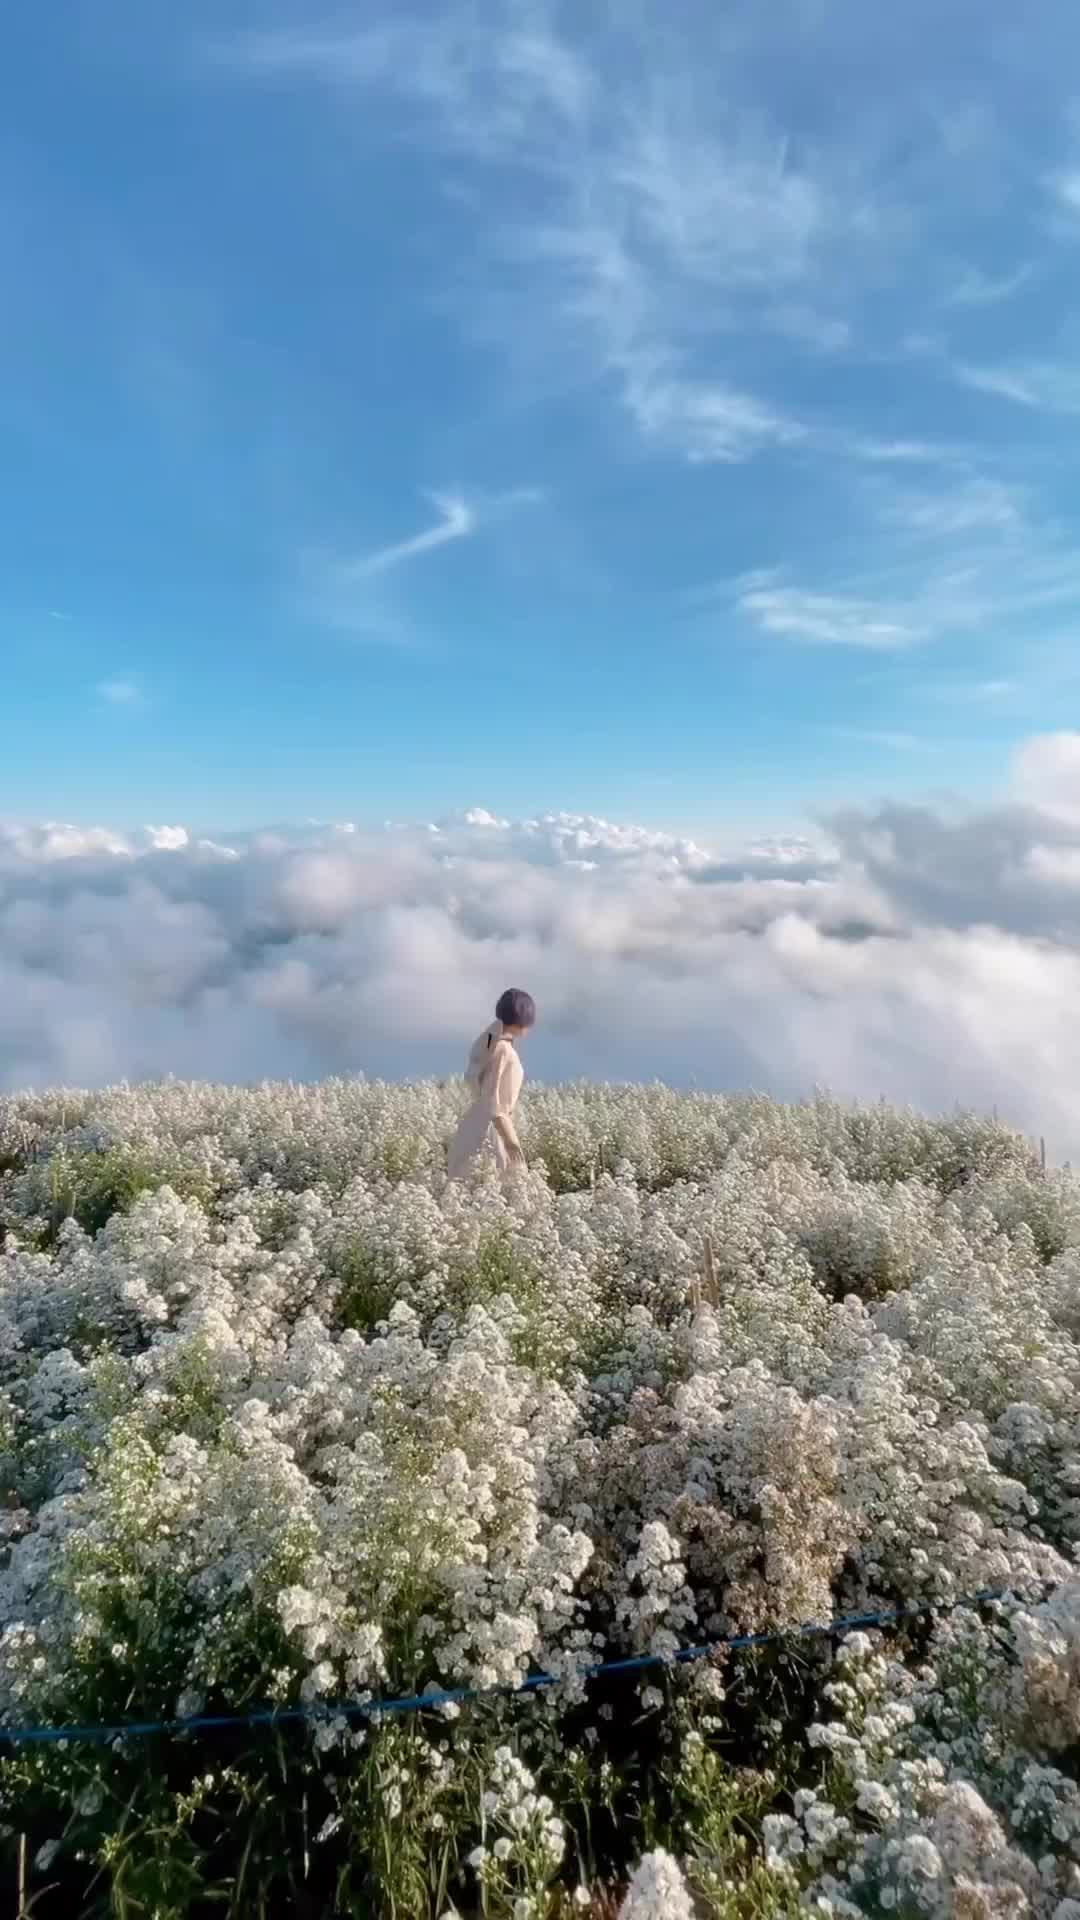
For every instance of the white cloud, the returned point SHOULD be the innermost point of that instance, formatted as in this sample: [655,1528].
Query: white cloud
[974,288]
[493,85]
[1068,188]
[829,619]
[898,452]
[653,216]
[650,219]
[892,741]
[1065,188]
[999,381]
[119,693]
[168,838]
[349,592]
[987,692]
[457,520]
[53,840]
[702,422]
[966,554]
[965,505]
[1046,774]
[1043,385]
[823,332]
[913,954]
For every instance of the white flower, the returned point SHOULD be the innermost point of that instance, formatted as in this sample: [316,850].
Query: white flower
[782,1838]
[875,1799]
[657,1891]
[917,1857]
[855,1646]
[334,1384]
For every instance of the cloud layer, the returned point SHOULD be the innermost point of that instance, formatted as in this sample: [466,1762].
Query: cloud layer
[914,954]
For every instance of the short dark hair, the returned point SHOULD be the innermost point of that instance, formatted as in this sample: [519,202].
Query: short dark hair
[516,1008]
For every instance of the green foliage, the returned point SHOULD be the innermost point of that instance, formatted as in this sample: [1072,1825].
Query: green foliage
[90,1185]
[717,1812]
[368,1286]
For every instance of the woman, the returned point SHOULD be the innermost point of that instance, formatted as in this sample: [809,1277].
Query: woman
[495,1074]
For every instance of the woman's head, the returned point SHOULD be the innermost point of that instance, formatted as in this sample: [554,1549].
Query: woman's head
[516,1009]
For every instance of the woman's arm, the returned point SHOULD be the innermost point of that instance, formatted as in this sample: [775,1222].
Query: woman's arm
[498,1107]
[505,1128]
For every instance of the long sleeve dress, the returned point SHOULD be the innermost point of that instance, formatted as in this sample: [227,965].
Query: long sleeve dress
[496,1075]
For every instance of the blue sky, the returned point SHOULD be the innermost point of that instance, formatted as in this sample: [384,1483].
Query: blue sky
[667,412]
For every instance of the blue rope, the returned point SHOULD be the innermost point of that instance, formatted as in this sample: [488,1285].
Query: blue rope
[458,1696]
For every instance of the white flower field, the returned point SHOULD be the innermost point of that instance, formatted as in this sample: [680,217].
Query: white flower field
[288,1420]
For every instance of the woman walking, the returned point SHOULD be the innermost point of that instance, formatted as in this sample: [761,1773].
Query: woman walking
[495,1074]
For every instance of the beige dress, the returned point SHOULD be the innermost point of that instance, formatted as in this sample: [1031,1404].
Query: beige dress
[495,1074]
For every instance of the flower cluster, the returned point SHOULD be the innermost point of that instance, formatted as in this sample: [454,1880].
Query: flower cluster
[286,1416]
[939,1790]
[523,1840]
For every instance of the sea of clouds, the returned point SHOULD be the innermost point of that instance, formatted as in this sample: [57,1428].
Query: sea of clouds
[920,954]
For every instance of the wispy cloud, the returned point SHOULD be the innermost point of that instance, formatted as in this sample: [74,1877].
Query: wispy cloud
[703,421]
[990,693]
[350,591]
[457,520]
[1002,382]
[119,693]
[1067,187]
[1044,385]
[492,88]
[974,288]
[968,555]
[885,453]
[1064,189]
[889,741]
[967,505]
[662,224]
[829,619]
[805,325]
[678,249]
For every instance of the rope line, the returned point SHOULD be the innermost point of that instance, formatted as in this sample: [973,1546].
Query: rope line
[459,1696]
